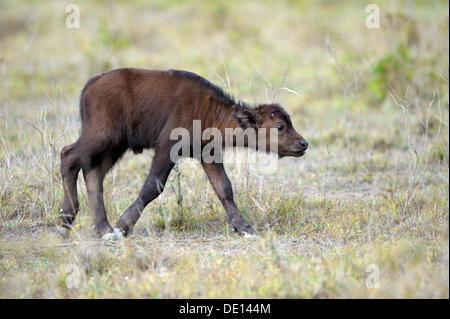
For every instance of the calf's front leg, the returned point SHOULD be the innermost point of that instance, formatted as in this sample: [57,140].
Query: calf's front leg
[222,186]
[153,187]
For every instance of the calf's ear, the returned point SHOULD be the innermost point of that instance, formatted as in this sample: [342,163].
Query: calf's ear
[245,118]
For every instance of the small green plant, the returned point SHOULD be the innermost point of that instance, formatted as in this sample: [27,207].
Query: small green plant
[395,68]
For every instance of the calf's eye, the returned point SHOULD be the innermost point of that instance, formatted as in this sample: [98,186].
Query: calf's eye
[280,127]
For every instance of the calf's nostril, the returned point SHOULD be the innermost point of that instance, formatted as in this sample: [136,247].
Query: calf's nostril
[304,143]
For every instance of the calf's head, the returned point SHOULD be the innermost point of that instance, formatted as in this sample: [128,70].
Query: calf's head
[268,116]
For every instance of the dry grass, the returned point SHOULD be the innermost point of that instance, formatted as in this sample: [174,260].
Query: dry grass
[372,190]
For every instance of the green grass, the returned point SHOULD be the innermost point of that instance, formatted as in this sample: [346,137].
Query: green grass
[372,189]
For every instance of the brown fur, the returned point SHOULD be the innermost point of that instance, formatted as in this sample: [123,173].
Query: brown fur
[137,109]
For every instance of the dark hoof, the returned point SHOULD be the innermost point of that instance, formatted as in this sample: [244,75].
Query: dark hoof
[123,228]
[244,229]
[247,231]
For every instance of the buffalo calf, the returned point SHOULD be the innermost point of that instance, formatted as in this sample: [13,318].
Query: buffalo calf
[138,109]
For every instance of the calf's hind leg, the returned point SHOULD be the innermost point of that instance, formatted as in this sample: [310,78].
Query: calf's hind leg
[94,177]
[70,166]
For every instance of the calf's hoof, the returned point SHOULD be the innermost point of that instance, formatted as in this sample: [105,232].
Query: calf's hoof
[123,228]
[245,230]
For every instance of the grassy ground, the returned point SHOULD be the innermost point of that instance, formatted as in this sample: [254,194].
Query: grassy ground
[364,214]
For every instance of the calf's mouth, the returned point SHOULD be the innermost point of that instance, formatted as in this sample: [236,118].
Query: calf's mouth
[297,153]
